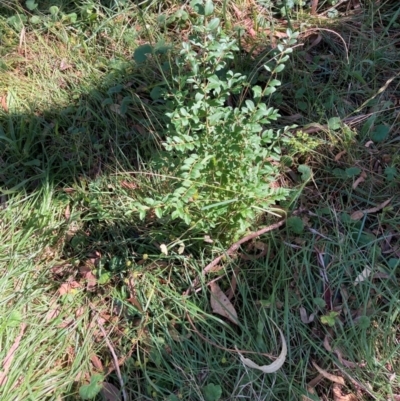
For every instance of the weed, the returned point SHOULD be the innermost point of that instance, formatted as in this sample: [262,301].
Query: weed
[222,160]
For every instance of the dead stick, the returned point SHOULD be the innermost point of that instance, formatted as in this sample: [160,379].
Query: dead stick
[232,250]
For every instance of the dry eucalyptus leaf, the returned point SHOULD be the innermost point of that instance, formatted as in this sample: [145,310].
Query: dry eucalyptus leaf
[221,304]
[304,317]
[329,376]
[208,239]
[96,362]
[274,366]
[338,396]
[363,275]
[116,108]
[164,249]
[181,248]
[359,180]
[360,213]
[339,155]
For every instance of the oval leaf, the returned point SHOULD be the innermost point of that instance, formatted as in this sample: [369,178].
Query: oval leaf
[221,304]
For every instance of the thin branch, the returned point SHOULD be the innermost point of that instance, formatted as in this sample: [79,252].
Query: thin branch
[232,250]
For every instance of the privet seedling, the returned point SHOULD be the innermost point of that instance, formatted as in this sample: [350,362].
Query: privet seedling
[222,157]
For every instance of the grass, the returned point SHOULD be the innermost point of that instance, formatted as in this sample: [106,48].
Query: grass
[76,261]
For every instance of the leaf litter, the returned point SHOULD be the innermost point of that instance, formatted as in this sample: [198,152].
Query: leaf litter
[221,304]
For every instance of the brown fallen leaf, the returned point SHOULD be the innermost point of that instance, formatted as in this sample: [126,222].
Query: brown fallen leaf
[110,392]
[64,65]
[338,396]
[314,5]
[68,287]
[3,103]
[52,313]
[10,355]
[96,361]
[221,305]
[359,180]
[67,213]
[134,301]
[128,185]
[329,376]
[339,155]
[91,280]
[359,214]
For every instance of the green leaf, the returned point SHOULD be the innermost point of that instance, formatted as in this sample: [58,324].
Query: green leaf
[208,8]
[105,278]
[90,391]
[212,392]
[390,173]
[279,68]
[332,13]
[380,133]
[329,319]
[157,92]
[197,6]
[257,92]
[295,224]
[305,171]
[14,319]
[213,24]
[393,263]
[54,10]
[73,17]
[141,52]
[35,20]
[334,123]
[353,172]
[340,173]
[31,5]
[364,322]
[319,302]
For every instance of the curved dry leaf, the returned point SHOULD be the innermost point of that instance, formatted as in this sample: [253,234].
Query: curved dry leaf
[339,155]
[329,376]
[304,317]
[359,214]
[221,304]
[274,366]
[359,180]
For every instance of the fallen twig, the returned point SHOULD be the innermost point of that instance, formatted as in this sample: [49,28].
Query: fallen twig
[232,250]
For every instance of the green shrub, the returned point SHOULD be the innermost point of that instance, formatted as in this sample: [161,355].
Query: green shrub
[219,159]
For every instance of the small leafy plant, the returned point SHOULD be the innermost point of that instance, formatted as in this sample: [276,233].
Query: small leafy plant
[220,162]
